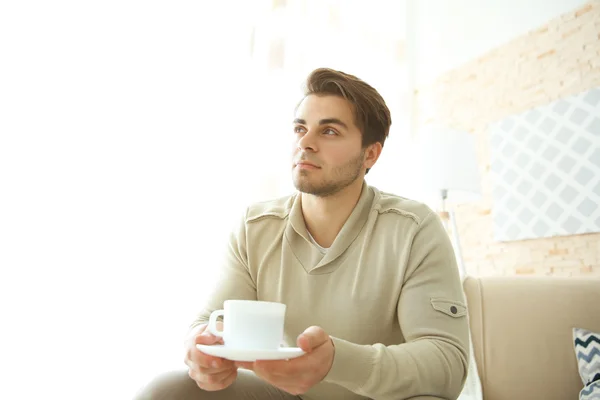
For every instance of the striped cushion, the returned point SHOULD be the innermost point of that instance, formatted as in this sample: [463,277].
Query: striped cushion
[587,350]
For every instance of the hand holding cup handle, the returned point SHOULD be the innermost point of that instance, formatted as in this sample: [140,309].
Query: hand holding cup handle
[209,372]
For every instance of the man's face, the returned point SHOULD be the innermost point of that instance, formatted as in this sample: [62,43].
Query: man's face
[328,154]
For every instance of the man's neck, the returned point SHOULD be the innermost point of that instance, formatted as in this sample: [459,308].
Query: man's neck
[325,216]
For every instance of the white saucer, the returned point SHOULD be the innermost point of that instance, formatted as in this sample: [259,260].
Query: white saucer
[232,354]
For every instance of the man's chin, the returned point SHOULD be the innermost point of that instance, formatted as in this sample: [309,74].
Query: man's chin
[315,190]
[305,187]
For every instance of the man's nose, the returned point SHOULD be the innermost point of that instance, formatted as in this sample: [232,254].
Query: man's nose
[308,141]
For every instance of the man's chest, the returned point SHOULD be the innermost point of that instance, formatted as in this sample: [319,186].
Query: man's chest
[353,297]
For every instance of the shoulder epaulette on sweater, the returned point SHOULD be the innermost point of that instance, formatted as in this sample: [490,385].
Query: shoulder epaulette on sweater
[276,208]
[413,209]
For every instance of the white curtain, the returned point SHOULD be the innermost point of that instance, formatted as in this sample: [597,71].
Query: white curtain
[132,134]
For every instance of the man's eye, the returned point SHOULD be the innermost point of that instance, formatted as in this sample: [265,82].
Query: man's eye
[330,131]
[298,129]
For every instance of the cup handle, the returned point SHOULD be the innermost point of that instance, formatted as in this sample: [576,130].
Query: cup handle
[212,322]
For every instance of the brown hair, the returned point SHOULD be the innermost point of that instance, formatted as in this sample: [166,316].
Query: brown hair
[371,114]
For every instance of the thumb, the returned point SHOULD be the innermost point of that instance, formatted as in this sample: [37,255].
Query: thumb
[207,338]
[312,338]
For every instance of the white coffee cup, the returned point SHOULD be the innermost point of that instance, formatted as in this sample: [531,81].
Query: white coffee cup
[249,324]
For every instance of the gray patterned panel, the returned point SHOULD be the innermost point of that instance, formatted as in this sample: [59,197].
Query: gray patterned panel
[545,166]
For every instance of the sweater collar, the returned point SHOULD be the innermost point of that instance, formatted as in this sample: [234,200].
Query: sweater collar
[310,258]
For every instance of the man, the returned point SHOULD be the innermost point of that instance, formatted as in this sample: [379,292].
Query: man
[370,279]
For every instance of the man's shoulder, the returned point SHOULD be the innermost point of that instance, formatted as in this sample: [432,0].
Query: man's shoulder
[403,207]
[276,209]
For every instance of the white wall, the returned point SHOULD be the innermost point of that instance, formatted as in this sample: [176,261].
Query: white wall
[449,33]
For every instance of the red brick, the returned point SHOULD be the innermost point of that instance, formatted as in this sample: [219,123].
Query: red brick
[524,271]
[571,32]
[586,270]
[555,252]
[585,9]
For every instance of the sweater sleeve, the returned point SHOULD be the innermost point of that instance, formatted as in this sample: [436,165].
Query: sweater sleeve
[433,360]
[234,279]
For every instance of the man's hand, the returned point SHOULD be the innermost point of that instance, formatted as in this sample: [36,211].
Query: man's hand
[298,375]
[210,373]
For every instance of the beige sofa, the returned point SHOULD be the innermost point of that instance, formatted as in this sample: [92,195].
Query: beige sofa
[521,329]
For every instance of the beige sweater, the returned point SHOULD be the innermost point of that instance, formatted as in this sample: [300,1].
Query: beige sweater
[387,291]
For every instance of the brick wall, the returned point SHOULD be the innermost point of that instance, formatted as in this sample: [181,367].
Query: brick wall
[558,59]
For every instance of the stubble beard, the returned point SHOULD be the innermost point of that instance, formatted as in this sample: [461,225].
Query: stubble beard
[341,177]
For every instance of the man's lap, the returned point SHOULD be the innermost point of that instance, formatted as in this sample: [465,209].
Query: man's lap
[177,385]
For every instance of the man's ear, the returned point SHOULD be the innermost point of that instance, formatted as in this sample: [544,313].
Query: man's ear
[372,153]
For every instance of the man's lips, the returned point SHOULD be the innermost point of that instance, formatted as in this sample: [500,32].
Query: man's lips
[307,165]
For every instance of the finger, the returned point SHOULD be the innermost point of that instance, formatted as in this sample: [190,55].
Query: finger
[245,365]
[225,382]
[187,358]
[231,378]
[194,374]
[204,360]
[213,371]
[282,368]
[190,363]
[214,378]
[311,338]
[206,338]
